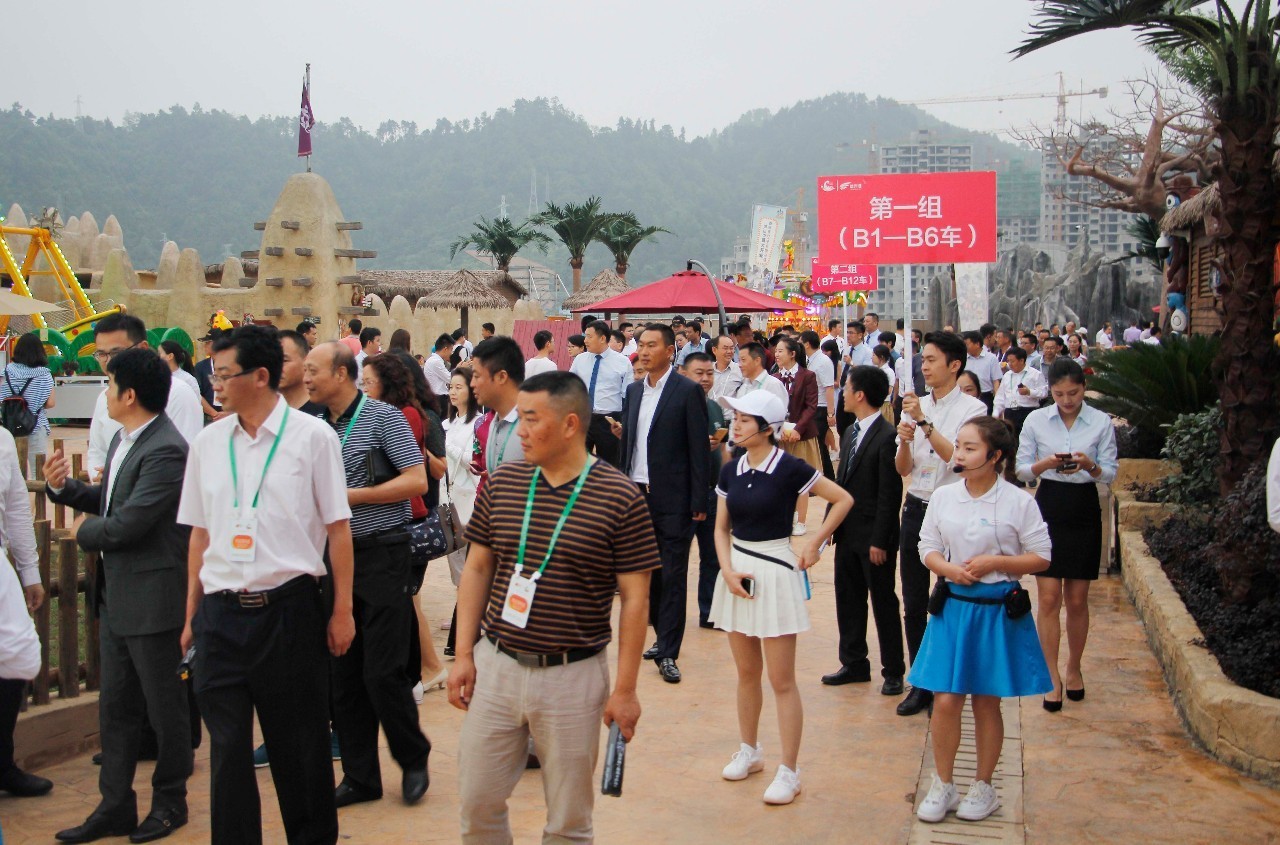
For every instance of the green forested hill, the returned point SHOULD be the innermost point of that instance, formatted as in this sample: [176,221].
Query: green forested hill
[201,178]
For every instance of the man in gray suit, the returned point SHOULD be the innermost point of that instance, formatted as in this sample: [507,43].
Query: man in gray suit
[139,596]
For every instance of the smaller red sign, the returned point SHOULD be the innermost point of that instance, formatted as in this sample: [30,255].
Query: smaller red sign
[833,278]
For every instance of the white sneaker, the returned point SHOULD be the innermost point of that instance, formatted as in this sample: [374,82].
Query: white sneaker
[981,802]
[417,693]
[799,529]
[942,799]
[745,761]
[785,787]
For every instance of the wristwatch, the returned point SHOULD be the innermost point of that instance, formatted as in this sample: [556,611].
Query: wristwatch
[928,426]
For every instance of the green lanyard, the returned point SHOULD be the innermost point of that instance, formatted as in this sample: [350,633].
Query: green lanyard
[354,417]
[235,482]
[564,516]
[503,453]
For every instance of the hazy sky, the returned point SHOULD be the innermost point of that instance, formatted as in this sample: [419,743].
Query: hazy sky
[697,64]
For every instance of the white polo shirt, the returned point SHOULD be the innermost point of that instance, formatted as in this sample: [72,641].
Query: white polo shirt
[304,490]
[928,470]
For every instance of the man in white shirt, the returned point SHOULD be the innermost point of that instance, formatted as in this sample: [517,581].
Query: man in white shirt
[982,364]
[833,333]
[872,323]
[460,339]
[1154,337]
[20,595]
[629,332]
[1103,339]
[728,375]
[1132,334]
[545,342]
[1021,391]
[926,439]
[370,345]
[438,372]
[111,335]
[1028,344]
[606,374]
[260,526]
[754,377]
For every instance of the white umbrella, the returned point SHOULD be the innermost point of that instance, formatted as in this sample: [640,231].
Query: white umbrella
[12,304]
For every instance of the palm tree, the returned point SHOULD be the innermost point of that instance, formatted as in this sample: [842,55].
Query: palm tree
[576,225]
[500,238]
[1234,63]
[623,235]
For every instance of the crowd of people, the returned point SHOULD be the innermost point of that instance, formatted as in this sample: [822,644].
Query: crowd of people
[265,511]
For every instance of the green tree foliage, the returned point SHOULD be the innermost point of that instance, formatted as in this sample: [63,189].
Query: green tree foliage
[500,238]
[1193,443]
[577,225]
[1149,386]
[622,235]
[202,178]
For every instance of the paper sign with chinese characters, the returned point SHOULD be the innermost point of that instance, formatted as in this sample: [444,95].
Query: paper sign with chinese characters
[833,278]
[908,218]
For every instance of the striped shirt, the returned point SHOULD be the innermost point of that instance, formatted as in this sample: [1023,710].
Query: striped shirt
[608,532]
[380,426]
[38,384]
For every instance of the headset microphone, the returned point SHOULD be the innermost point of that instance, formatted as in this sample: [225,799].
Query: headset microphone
[959,469]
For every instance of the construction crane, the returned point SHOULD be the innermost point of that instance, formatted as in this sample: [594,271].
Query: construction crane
[1061,95]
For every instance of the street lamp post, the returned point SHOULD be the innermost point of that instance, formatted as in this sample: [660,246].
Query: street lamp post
[724,318]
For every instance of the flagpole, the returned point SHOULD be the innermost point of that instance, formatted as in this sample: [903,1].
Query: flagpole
[308,104]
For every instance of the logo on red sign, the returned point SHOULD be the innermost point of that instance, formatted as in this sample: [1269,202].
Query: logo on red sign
[908,218]
[833,278]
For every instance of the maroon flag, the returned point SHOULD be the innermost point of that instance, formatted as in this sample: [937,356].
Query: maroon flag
[305,119]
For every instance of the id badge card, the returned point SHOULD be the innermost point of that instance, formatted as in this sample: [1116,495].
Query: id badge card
[519,601]
[929,475]
[244,540]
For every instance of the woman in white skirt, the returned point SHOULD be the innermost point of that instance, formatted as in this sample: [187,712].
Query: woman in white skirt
[761,590]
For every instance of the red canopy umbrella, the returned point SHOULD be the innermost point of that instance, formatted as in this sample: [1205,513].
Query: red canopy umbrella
[686,291]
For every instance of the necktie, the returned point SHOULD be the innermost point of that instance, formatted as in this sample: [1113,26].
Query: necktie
[595,374]
[787,379]
[853,448]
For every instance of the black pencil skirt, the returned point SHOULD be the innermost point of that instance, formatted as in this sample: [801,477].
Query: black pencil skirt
[1074,517]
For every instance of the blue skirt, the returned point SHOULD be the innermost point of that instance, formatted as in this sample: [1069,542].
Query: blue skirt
[976,649]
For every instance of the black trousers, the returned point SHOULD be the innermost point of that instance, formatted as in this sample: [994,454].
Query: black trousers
[915,575]
[1018,417]
[708,560]
[270,659]
[11,693]
[668,587]
[823,427]
[140,685]
[856,577]
[988,398]
[371,683]
[600,439]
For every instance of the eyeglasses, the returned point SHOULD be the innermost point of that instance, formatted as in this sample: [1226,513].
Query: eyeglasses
[214,378]
[107,356]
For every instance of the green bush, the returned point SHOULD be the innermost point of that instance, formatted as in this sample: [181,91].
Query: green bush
[1193,441]
[1151,386]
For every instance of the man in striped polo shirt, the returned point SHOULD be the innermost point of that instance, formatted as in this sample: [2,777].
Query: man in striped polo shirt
[371,684]
[551,541]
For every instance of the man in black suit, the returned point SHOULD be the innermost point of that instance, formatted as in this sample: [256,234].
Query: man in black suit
[130,518]
[664,450]
[867,539]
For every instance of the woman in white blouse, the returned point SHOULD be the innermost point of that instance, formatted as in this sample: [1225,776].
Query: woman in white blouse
[979,537]
[1071,448]
[459,452]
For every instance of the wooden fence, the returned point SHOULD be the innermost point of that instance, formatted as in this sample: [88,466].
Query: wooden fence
[65,571]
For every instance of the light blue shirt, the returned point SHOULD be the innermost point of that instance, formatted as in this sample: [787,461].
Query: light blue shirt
[860,355]
[688,349]
[986,368]
[613,377]
[1044,434]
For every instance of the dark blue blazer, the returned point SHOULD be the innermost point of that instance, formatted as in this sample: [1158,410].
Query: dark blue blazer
[677,443]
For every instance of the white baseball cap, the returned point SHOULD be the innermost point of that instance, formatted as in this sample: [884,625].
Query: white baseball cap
[760,403]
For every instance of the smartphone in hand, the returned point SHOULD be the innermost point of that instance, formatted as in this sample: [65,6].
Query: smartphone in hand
[749,585]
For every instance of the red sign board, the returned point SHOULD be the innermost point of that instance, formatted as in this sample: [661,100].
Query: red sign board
[833,278]
[908,218]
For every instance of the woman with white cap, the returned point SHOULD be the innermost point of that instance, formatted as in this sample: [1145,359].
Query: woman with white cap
[761,589]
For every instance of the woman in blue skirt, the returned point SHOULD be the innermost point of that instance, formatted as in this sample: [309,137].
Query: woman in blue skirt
[979,537]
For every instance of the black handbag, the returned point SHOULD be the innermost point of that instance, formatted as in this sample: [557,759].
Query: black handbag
[938,598]
[378,468]
[1017,603]
[426,540]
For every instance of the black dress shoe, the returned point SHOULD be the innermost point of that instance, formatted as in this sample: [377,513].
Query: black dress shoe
[348,793]
[845,675]
[916,701]
[651,653]
[22,784]
[1077,694]
[158,825]
[706,623]
[96,827]
[414,783]
[1052,706]
[892,686]
[97,759]
[668,670]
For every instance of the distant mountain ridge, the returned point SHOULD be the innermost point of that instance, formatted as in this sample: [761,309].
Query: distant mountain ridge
[202,178]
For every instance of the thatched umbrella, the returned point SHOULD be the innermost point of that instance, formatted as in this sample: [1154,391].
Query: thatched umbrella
[606,283]
[464,290]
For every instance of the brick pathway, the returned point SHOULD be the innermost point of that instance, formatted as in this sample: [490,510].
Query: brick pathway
[1118,767]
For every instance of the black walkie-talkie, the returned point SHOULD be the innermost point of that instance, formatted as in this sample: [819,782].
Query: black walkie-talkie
[615,756]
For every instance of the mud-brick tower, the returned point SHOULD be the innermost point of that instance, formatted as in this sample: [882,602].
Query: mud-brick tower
[306,264]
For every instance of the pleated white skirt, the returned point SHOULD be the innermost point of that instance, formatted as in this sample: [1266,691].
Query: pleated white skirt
[778,608]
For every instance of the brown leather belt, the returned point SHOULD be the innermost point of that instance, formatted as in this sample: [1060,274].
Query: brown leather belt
[543,661]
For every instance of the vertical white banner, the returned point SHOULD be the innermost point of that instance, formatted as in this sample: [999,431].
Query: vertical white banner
[971,295]
[768,223]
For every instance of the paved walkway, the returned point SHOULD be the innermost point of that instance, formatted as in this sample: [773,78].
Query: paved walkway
[1118,767]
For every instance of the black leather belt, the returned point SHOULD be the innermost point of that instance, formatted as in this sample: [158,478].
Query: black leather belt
[368,541]
[915,503]
[644,488]
[266,597]
[543,661]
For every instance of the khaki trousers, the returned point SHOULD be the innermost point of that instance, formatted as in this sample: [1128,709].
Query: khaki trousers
[561,707]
